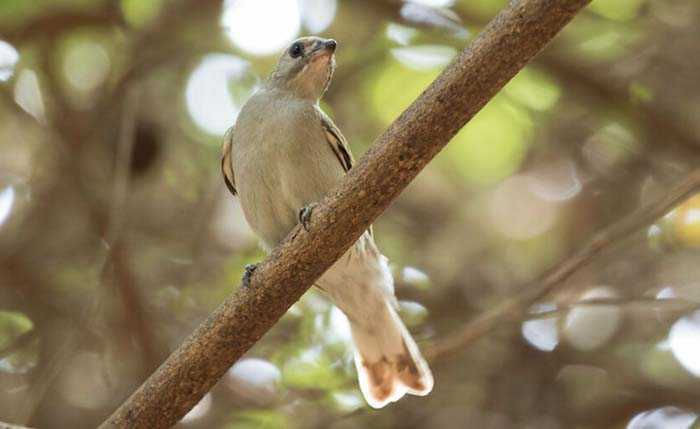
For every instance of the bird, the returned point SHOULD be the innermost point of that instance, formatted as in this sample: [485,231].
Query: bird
[284,154]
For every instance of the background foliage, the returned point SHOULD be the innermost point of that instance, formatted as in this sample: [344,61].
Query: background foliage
[117,235]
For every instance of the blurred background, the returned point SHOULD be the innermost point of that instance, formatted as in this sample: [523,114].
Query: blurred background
[117,235]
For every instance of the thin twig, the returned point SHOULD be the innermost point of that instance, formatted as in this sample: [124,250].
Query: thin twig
[668,306]
[515,308]
[50,26]
[117,258]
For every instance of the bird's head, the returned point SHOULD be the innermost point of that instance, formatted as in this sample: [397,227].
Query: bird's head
[306,67]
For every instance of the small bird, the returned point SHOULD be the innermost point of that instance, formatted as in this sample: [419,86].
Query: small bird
[281,156]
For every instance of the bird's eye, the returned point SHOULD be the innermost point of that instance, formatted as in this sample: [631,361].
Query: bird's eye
[296,50]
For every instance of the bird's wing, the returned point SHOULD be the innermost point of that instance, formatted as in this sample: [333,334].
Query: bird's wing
[339,146]
[226,167]
[337,142]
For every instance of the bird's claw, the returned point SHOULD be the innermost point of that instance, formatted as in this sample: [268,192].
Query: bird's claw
[305,215]
[249,270]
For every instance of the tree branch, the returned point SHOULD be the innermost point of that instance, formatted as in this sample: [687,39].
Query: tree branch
[515,309]
[670,306]
[50,26]
[516,35]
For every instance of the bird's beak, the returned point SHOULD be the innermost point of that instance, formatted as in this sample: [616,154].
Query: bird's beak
[325,48]
[330,45]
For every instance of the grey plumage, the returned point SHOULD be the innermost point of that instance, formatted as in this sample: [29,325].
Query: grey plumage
[284,153]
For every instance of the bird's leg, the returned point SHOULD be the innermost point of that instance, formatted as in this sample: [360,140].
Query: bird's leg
[305,215]
[249,270]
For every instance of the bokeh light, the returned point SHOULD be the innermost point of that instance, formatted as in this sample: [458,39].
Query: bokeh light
[13,324]
[8,59]
[620,10]
[139,12]
[7,200]
[261,27]
[333,327]
[28,94]
[209,100]
[86,64]
[612,144]
[424,57]
[543,334]
[588,327]
[535,215]
[311,369]
[400,33]
[254,379]
[348,401]
[556,181]
[426,15]
[533,89]
[483,152]
[686,221]
[663,418]
[317,15]
[199,411]
[412,313]
[684,339]
[433,3]
[415,277]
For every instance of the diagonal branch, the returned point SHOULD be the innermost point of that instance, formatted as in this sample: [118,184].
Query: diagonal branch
[515,308]
[516,35]
[50,26]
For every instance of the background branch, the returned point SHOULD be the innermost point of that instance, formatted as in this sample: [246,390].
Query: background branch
[517,34]
[515,308]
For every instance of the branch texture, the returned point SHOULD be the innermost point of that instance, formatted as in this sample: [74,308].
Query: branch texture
[516,35]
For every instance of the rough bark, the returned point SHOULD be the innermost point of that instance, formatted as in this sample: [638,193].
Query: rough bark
[517,34]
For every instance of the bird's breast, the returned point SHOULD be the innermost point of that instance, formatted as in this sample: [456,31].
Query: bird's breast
[281,163]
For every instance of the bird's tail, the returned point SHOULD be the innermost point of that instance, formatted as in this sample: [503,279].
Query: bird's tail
[387,359]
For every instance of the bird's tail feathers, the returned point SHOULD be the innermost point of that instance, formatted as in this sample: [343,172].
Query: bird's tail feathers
[388,363]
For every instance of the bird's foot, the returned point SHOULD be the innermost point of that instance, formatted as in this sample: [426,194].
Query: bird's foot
[249,270]
[305,215]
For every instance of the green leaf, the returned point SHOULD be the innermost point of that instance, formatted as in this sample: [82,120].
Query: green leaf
[141,12]
[533,89]
[12,325]
[312,370]
[618,10]
[259,419]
